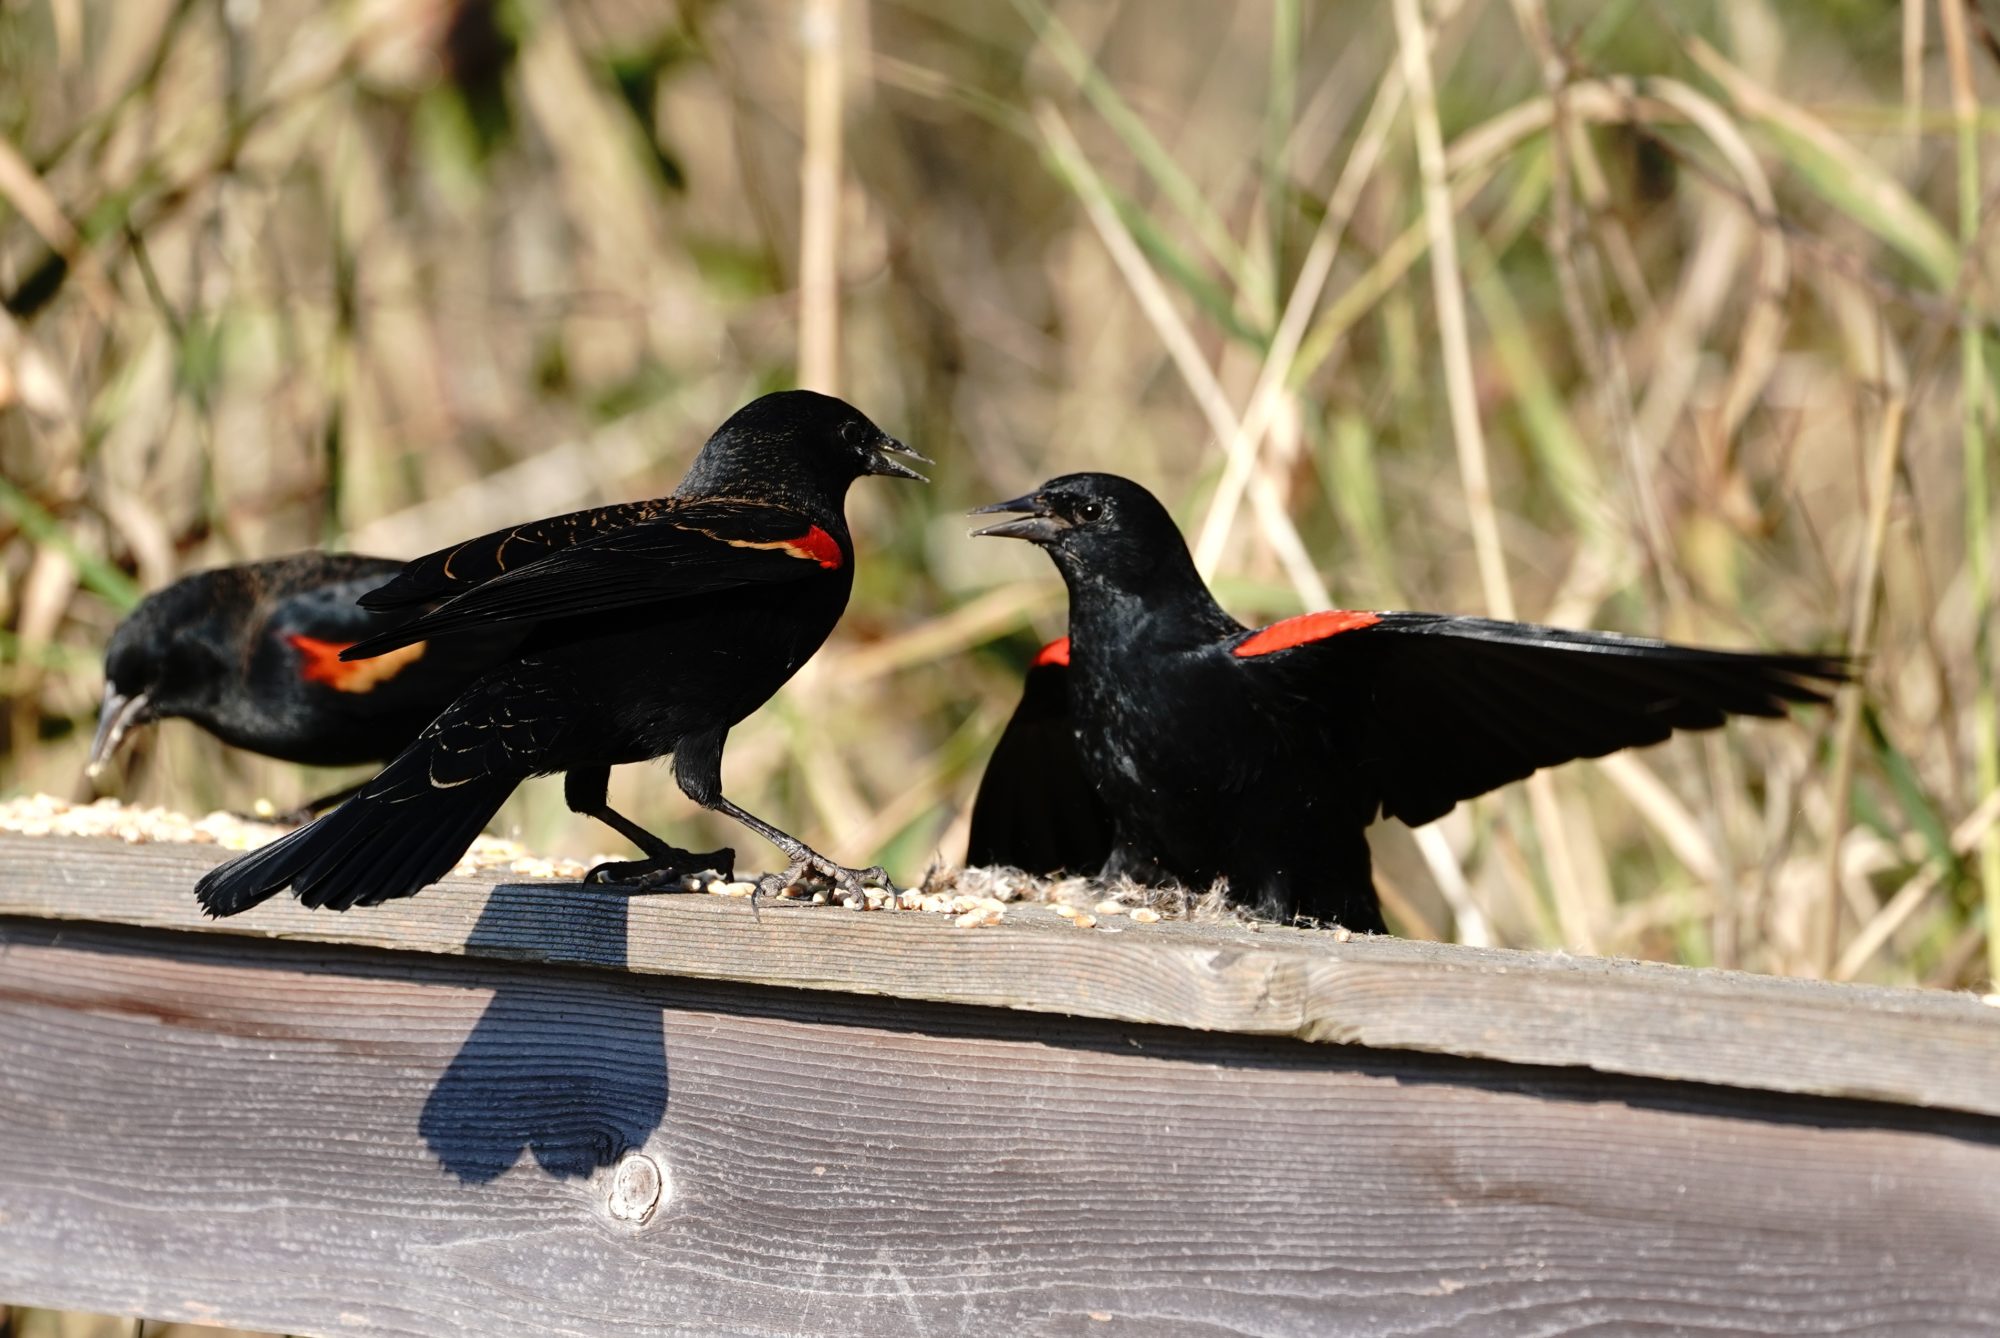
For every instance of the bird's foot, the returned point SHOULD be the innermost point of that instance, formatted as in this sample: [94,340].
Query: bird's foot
[853,884]
[639,877]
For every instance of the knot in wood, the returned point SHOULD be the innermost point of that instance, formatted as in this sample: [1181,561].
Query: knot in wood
[638,1186]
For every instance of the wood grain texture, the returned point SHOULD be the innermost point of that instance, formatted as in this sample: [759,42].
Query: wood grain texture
[326,1140]
[1909,1046]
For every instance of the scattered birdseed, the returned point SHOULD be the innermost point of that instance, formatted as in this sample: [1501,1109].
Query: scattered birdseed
[976,896]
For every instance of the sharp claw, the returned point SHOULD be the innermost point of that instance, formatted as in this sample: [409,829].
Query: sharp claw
[852,883]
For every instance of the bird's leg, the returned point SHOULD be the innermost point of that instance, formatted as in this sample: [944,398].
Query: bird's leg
[804,860]
[664,866]
[698,769]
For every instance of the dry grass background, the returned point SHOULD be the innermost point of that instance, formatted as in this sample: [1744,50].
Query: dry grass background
[1662,318]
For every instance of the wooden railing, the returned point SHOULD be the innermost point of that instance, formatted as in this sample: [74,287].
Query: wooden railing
[533,1109]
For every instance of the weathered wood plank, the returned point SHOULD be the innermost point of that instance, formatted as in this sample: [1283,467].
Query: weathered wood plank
[1915,1047]
[319,1139]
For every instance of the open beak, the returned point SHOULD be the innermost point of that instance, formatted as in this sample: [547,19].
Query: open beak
[882,460]
[1036,524]
[115,719]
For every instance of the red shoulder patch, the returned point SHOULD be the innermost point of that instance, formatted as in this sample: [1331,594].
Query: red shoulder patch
[815,545]
[1056,652]
[818,545]
[320,662]
[1302,629]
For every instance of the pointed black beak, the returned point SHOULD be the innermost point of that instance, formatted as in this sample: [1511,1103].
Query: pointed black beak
[882,460]
[115,718]
[1036,524]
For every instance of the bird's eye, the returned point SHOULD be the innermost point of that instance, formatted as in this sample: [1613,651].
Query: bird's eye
[1090,510]
[853,433]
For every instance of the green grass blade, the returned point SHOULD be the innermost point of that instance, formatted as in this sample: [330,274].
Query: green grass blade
[99,576]
[1152,156]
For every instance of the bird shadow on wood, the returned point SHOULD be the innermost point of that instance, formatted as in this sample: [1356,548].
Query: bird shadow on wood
[571,1070]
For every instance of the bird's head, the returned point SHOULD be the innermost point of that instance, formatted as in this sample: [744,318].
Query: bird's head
[162,662]
[797,439]
[1099,529]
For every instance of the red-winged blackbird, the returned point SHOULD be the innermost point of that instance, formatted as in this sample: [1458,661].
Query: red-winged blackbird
[1036,808]
[1261,756]
[649,628]
[251,653]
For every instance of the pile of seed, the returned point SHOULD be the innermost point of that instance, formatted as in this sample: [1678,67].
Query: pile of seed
[46,815]
[972,897]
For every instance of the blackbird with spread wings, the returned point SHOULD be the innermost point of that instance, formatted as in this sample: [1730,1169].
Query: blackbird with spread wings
[1261,755]
[647,629]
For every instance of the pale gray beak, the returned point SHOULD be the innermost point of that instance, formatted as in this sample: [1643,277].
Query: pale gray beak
[115,718]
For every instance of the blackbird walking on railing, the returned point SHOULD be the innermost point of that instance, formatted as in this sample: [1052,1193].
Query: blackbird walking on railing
[648,628]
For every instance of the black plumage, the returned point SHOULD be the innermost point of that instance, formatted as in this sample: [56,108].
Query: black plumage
[251,654]
[646,629]
[1036,808]
[1260,756]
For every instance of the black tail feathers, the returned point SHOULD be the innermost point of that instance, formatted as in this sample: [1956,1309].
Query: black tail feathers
[388,841]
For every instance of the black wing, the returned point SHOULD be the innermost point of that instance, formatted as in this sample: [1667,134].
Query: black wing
[1036,808]
[453,571]
[1435,709]
[307,629]
[690,549]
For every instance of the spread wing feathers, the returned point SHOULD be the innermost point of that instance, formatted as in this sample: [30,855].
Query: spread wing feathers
[697,547]
[455,570]
[1036,808]
[1439,709]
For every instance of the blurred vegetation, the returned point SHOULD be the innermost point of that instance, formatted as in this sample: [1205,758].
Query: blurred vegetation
[1664,319]
[23,1322]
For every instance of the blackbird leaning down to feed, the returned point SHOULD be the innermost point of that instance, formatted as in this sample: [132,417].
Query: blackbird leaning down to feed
[648,628]
[1261,756]
[251,653]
